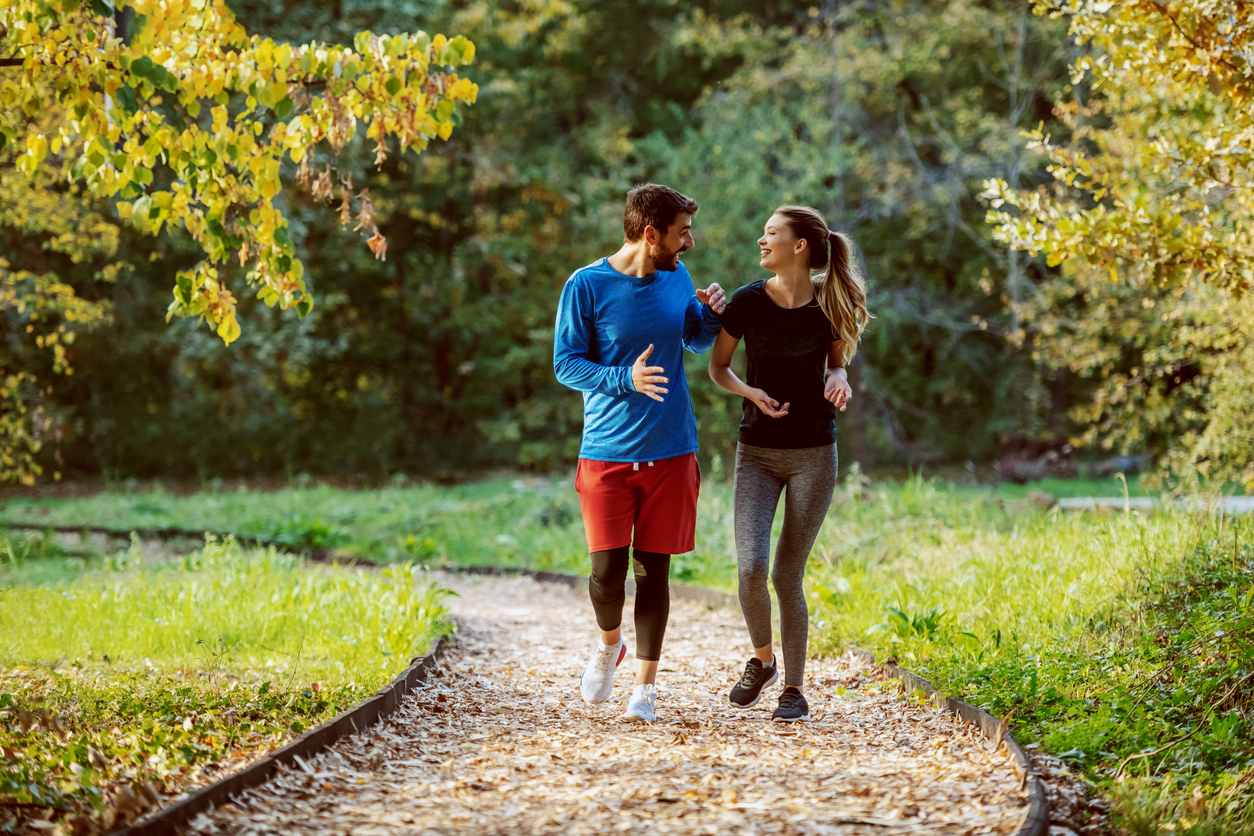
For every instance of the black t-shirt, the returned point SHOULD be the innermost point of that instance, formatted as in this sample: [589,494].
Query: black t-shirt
[787,357]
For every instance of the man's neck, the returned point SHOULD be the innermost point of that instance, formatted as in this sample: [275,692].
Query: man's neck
[633,260]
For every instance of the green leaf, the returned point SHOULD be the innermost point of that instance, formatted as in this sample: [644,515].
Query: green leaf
[142,67]
[126,99]
[304,306]
[100,8]
[444,110]
[283,108]
[393,86]
[184,293]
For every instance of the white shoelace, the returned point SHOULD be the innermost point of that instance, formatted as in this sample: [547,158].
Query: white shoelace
[648,693]
[602,660]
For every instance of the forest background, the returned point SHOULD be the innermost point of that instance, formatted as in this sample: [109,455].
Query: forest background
[891,117]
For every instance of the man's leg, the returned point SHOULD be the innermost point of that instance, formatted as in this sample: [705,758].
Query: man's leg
[607,589]
[608,505]
[653,609]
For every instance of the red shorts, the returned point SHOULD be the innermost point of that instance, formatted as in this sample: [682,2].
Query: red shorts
[658,499]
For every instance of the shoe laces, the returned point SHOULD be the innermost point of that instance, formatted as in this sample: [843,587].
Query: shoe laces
[647,694]
[751,674]
[601,661]
[789,699]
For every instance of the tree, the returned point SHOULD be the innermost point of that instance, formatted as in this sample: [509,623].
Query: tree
[1149,216]
[51,235]
[866,112]
[173,109]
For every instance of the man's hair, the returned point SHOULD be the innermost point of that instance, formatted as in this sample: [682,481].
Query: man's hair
[656,206]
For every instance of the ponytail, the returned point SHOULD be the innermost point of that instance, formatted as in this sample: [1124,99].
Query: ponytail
[841,290]
[842,294]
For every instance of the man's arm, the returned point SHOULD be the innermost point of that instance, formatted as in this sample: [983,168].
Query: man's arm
[571,339]
[702,319]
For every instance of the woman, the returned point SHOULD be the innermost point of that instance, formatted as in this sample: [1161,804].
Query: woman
[799,334]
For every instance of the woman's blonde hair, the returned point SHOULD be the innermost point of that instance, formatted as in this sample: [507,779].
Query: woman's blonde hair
[841,290]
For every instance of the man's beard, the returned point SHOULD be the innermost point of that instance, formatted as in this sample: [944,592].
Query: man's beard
[666,260]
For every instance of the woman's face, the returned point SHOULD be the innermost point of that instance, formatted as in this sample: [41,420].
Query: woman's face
[779,246]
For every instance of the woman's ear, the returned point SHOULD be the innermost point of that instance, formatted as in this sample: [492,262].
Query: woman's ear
[801,246]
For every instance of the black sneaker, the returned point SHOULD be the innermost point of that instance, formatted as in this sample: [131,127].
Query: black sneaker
[757,676]
[793,707]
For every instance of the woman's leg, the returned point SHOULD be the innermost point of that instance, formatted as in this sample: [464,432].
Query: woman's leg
[811,481]
[756,495]
[653,609]
[606,589]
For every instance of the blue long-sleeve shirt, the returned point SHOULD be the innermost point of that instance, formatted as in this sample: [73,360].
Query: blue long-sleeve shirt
[605,319]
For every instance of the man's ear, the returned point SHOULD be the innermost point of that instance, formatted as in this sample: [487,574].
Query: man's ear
[651,235]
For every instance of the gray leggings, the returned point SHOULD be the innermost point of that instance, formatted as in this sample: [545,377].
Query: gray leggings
[762,473]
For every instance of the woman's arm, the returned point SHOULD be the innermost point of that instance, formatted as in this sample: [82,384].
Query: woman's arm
[836,386]
[721,373]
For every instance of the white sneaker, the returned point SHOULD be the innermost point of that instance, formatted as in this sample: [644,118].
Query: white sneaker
[597,682]
[640,708]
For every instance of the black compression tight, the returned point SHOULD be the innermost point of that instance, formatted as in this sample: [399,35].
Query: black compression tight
[653,595]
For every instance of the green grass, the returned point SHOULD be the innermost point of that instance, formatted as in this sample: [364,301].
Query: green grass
[508,522]
[1059,618]
[136,671]
[1107,636]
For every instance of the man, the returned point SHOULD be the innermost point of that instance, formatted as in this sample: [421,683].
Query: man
[622,325]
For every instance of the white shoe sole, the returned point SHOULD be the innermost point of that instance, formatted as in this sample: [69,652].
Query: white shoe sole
[774,678]
[804,718]
[636,718]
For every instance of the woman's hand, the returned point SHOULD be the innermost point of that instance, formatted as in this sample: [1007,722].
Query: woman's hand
[767,404]
[837,390]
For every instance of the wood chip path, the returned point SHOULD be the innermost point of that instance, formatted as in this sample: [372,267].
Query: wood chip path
[501,743]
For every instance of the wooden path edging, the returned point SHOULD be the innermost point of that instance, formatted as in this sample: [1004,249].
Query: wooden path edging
[357,719]
[1035,821]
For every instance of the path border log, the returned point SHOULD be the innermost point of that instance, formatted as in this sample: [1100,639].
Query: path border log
[313,742]
[1035,821]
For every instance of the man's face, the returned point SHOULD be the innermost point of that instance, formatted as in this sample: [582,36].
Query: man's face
[665,250]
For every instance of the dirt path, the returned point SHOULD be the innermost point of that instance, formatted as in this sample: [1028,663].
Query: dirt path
[502,744]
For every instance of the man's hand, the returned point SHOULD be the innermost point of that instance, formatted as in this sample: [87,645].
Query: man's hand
[768,405]
[838,391]
[714,297]
[644,378]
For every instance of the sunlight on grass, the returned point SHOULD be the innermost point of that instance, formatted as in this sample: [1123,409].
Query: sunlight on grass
[240,609]
[137,671]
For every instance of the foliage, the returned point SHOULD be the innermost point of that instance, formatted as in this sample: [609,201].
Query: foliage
[865,111]
[133,85]
[1150,217]
[439,360]
[51,235]
[1120,642]
[143,671]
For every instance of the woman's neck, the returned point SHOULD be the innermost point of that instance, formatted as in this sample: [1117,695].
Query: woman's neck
[791,288]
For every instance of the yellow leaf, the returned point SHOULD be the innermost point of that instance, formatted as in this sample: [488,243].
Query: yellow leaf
[228,329]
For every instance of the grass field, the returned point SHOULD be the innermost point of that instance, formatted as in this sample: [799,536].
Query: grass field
[128,671]
[1120,641]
